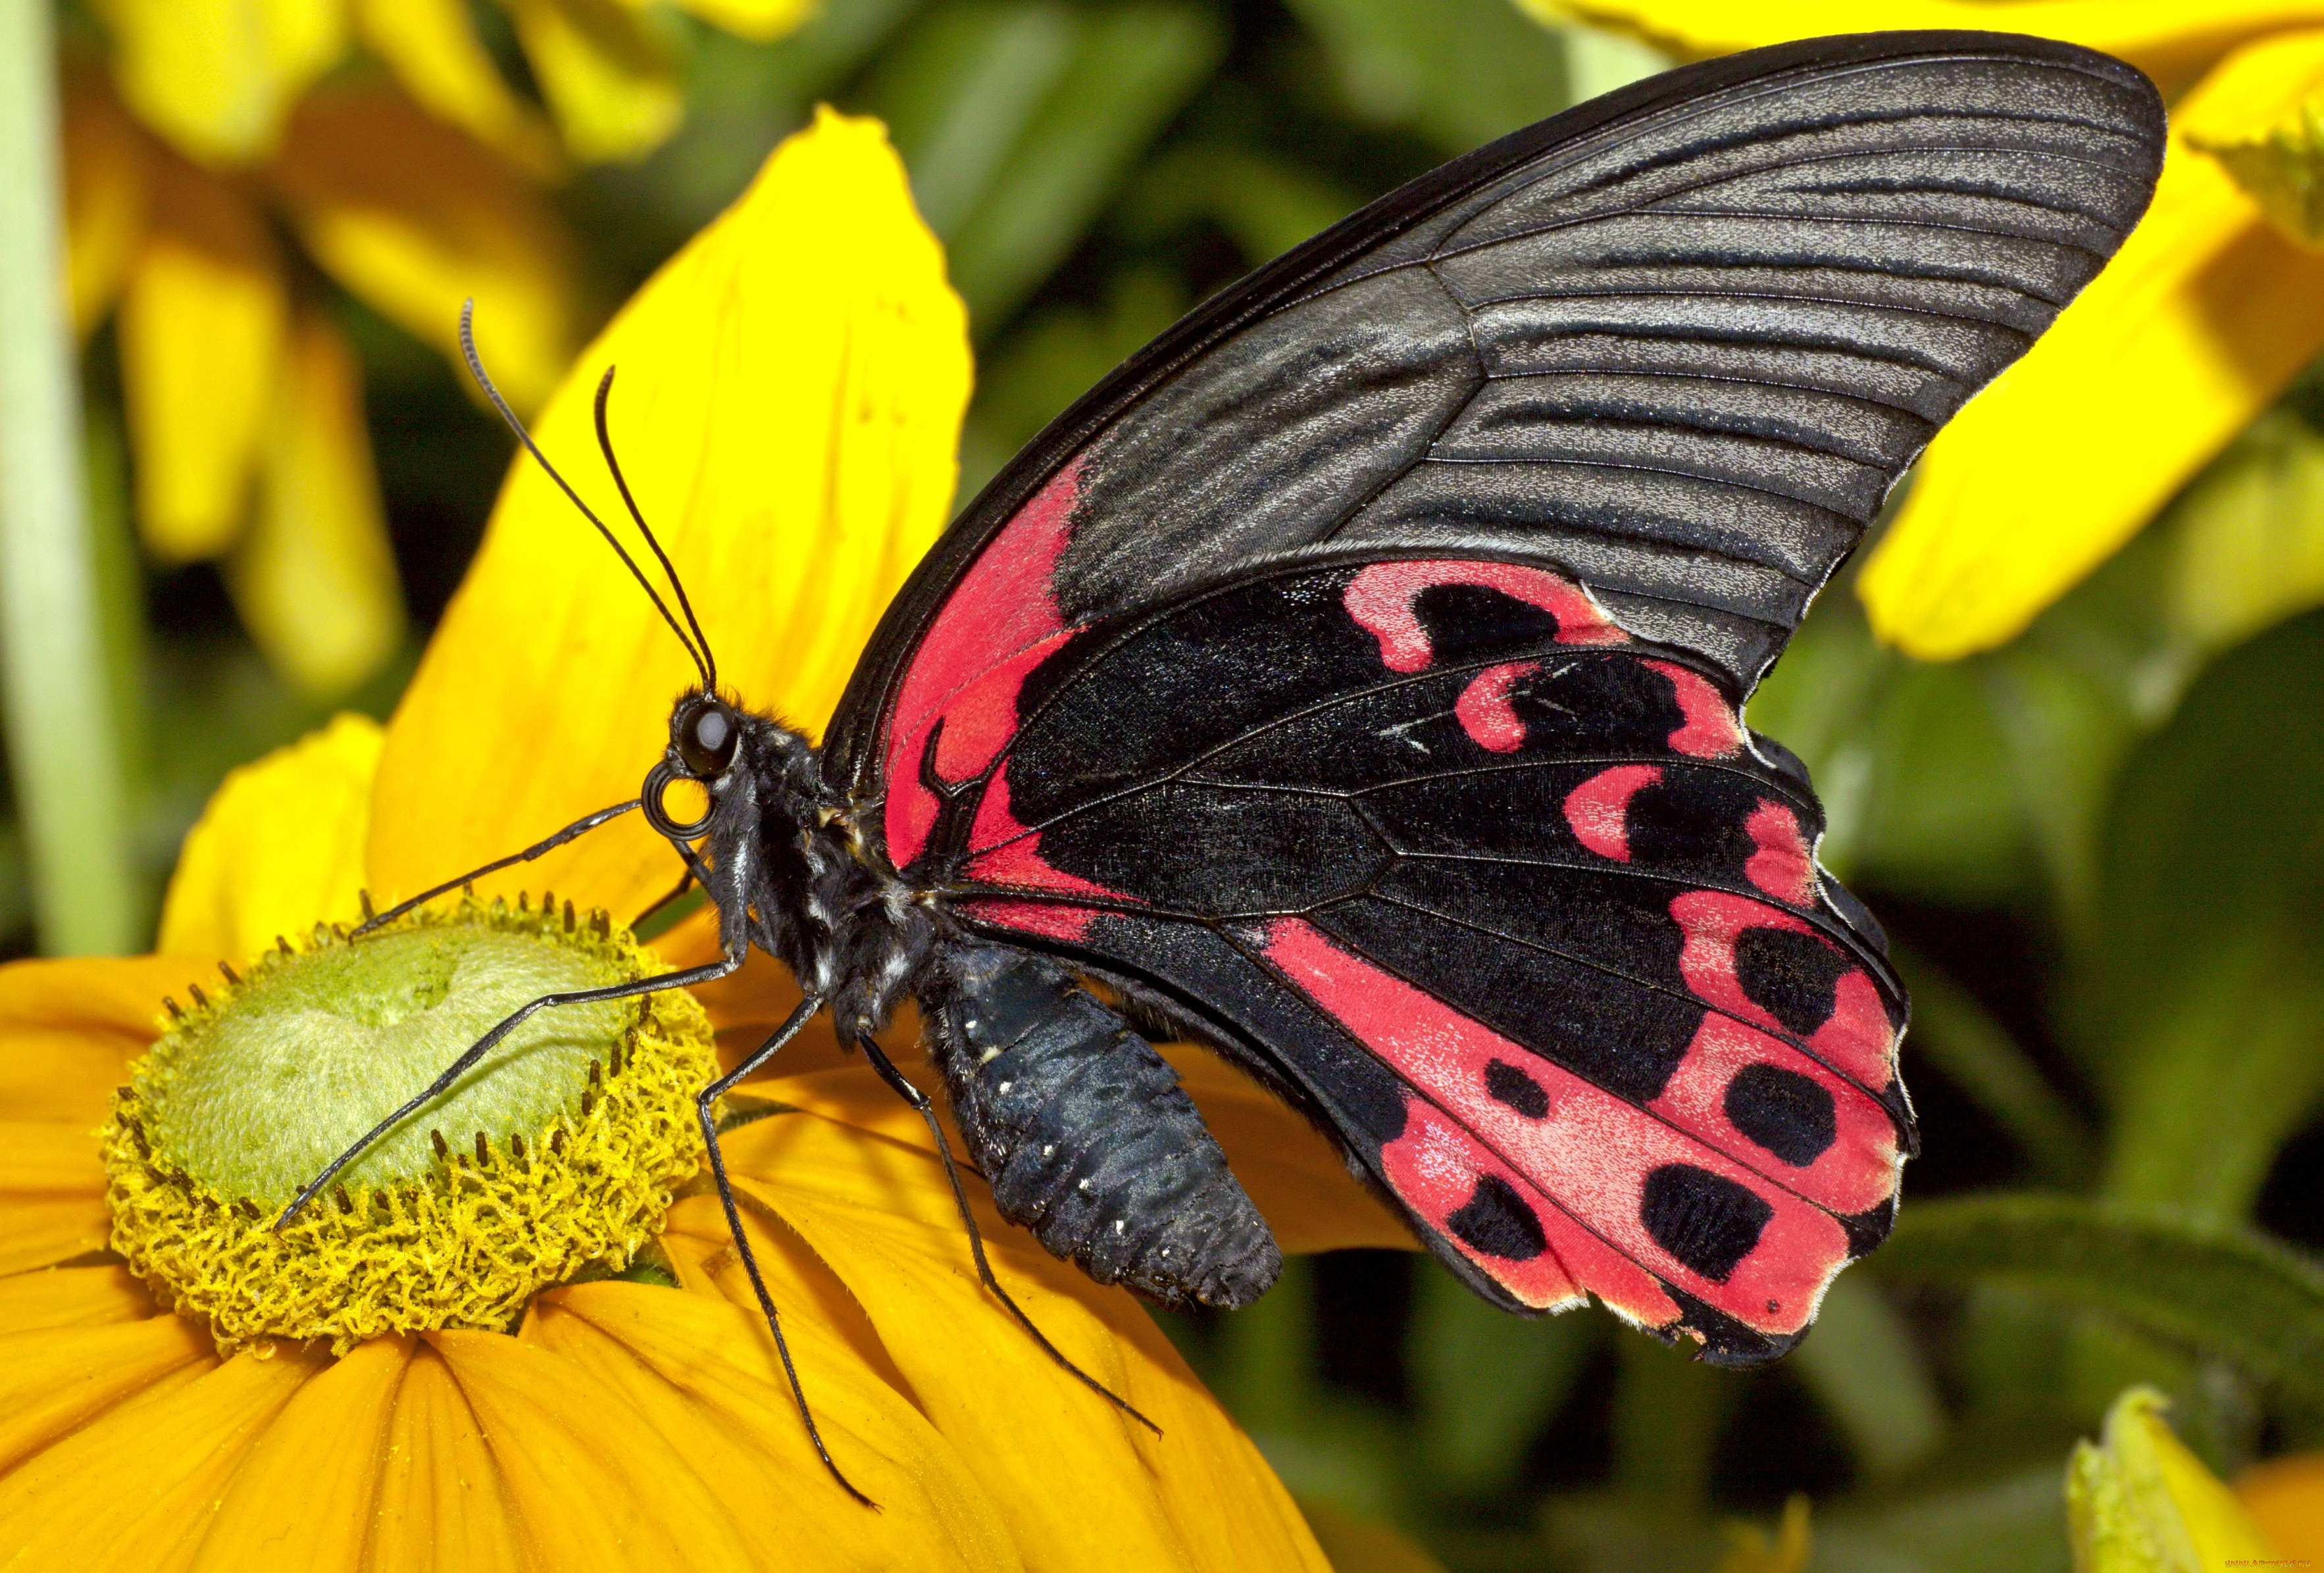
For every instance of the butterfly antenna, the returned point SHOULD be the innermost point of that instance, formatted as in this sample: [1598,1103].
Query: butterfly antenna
[605,446]
[484,381]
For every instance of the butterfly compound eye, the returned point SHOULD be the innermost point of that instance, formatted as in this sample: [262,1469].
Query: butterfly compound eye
[706,738]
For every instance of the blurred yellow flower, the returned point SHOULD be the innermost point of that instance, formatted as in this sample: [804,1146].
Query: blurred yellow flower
[2138,1501]
[221,79]
[2285,1498]
[790,389]
[245,402]
[2209,310]
[1752,1549]
[245,408]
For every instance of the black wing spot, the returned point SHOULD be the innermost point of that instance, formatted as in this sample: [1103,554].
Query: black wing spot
[1790,1115]
[1475,622]
[1513,1087]
[1791,976]
[1497,1222]
[1706,1220]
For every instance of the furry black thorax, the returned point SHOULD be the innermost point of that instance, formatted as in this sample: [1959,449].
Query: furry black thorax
[791,871]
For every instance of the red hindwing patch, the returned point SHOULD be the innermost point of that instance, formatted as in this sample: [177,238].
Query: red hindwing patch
[1655,1195]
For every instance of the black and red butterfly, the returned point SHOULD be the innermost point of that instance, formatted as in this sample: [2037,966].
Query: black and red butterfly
[1354,682]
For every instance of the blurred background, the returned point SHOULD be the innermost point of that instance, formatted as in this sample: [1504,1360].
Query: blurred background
[2098,847]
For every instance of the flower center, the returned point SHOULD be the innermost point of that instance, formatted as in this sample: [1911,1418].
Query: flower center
[550,1159]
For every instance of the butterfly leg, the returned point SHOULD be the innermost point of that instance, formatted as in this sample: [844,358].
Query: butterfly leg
[703,1106]
[927,1111]
[579,827]
[485,1045]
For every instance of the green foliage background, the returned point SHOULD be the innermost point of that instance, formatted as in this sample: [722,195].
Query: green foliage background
[2100,849]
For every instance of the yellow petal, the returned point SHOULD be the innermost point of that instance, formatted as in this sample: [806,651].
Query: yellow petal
[279,846]
[105,195]
[218,77]
[66,1297]
[56,1380]
[2276,153]
[414,218]
[201,342]
[40,1231]
[759,19]
[879,1214]
[67,1028]
[314,577]
[584,1482]
[790,399]
[2193,329]
[702,1376]
[114,1000]
[2139,1502]
[47,1156]
[2285,1498]
[2167,39]
[64,1077]
[304,1497]
[701,1249]
[1751,1549]
[613,85]
[432,46]
[138,1488]
[440,1508]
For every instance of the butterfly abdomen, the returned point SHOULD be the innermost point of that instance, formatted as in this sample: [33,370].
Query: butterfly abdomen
[1086,1136]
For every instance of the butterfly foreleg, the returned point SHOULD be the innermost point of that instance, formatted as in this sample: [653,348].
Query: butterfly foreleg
[705,1106]
[475,1052]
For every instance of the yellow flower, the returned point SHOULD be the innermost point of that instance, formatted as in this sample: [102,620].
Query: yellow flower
[2285,1498]
[2207,312]
[220,78]
[790,388]
[245,402]
[2138,1501]
[1752,1549]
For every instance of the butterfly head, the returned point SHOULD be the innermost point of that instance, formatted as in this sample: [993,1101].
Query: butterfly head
[751,768]
[705,732]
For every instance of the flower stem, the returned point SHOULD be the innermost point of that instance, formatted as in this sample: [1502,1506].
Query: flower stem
[63,744]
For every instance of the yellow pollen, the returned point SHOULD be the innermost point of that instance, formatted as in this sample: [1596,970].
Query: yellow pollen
[551,1160]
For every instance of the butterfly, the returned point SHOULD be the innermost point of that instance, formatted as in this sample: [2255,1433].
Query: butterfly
[1354,682]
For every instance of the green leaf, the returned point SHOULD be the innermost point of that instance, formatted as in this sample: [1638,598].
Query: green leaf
[1266,205]
[1861,1362]
[2203,1001]
[1912,768]
[1486,1381]
[2225,1293]
[1322,1441]
[1018,121]
[2013,1526]
[1668,1407]
[2246,539]
[960,92]
[1976,1053]
[1460,72]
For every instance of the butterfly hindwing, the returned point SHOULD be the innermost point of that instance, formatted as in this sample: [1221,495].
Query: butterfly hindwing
[1448,815]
